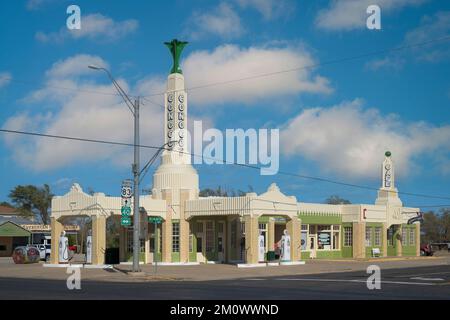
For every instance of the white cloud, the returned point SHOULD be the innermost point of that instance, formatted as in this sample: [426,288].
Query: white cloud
[395,63]
[80,114]
[351,14]
[5,79]
[93,27]
[222,21]
[75,66]
[438,26]
[63,78]
[37,4]
[350,141]
[229,62]
[269,9]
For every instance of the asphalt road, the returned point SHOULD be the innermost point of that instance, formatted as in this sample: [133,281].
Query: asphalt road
[407,283]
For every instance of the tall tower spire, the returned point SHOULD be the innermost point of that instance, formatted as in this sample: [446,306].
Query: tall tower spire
[176,106]
[175,172]
[388,193]
[176,47]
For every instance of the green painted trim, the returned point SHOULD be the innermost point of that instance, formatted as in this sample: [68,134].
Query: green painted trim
[129,257]
[374,225]
[347,251]
[328,254]
[192,256]
[266,218]
[157,256]
[175,257]
[304,255]
[10,229]
[318,218]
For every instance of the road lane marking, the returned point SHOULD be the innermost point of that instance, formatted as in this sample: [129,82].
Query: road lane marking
[427,279]
[422,274]
[356,281]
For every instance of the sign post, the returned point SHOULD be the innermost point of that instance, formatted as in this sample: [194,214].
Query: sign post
[155,221]
[125,210]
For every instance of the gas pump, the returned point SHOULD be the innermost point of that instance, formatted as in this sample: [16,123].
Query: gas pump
[286,247]
[63,248]
[89,248]
[261,247]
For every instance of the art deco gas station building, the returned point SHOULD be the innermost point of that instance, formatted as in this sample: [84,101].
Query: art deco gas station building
[226,229]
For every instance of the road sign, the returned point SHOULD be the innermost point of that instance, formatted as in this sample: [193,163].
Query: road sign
[126,202]
[125,220]
[125,210]
[126,191]
[156,220]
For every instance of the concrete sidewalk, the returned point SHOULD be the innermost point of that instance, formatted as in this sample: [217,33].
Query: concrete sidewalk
[208,272]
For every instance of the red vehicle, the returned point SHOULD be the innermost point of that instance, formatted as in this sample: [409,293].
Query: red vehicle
[426,250]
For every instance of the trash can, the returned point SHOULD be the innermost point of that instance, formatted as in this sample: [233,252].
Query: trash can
[270,255]
[112,256]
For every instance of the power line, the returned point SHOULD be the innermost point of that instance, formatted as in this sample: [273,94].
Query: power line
[345,59]
[223,161]
[11,79]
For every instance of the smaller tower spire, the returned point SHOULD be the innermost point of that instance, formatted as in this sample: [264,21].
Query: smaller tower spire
[388,193]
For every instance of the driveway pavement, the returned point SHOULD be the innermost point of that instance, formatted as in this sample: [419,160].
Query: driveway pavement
[209,272]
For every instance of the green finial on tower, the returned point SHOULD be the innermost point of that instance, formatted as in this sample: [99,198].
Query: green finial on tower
[175,48]
[388,154]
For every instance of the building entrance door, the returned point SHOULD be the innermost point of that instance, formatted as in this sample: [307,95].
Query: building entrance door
[200,255]
[312,246]
[221,241]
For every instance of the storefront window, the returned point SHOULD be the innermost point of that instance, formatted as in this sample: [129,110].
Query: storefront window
[233,233]
[377,236]
[263,229]
[328,236]
[191,243]
[176,237]
[304,238]
[152,237]
[209,236]
[412,237]
[390,236]
[130,241]
[404,240]
[336,237]
[348,236]
[368,236]
[323,237]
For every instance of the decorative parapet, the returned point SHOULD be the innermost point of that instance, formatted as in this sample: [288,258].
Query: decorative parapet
[218,206]
[78,203]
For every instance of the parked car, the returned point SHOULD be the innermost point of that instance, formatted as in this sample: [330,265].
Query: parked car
[426,250]
[44,251]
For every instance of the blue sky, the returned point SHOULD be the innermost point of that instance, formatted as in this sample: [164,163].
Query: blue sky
[336,120]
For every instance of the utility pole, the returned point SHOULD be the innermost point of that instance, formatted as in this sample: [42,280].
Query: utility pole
[134,108]
[136,172]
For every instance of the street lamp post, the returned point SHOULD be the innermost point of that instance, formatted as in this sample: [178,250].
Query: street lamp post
[134,108]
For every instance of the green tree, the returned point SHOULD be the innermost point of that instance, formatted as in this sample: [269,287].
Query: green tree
[445,224]
[221,192]
[335,199]
[6,204]
[436,226]
[33,201]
